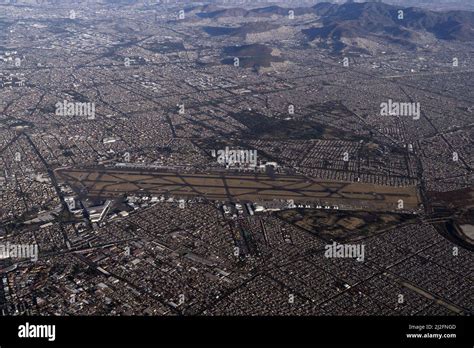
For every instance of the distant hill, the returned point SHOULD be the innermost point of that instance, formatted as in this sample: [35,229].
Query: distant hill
[250,56]
[231,12]
[258,12]
[242,31]
[378,20]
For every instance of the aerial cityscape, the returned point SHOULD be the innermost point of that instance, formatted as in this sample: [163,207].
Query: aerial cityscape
[236,158]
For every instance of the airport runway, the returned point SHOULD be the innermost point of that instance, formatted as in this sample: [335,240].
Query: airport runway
[106,183]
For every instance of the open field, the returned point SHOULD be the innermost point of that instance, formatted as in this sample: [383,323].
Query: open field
[344,226]
[102,183]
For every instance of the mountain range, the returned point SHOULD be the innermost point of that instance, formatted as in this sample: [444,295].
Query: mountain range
[336,25]
[378,19]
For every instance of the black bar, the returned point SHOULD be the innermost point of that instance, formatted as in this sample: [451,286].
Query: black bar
[241,330]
